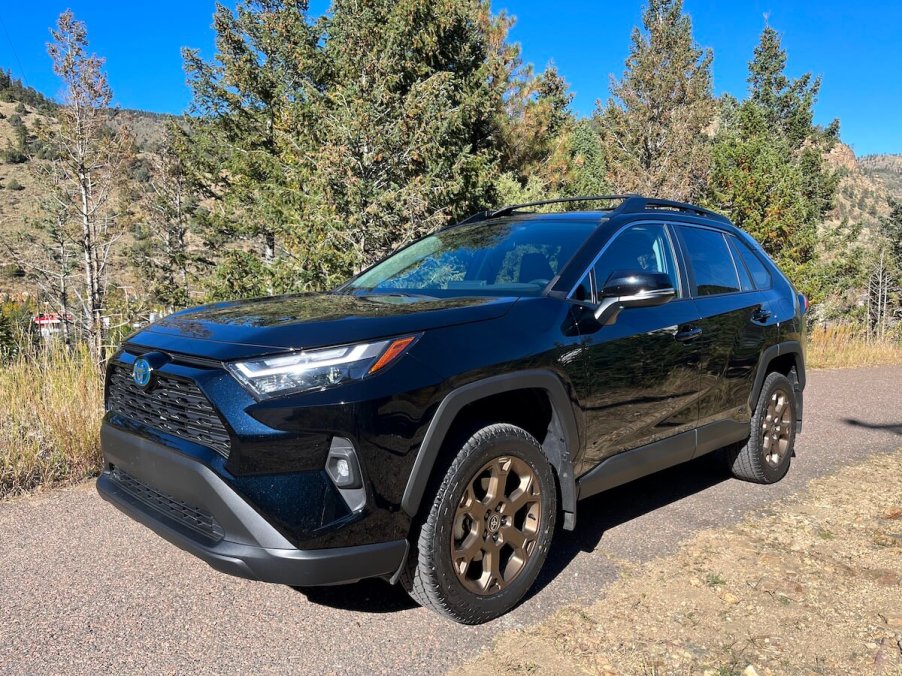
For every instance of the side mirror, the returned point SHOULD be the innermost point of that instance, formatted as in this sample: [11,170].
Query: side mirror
[629,288]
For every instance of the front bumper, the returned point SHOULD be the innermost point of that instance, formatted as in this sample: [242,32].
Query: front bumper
[186,503]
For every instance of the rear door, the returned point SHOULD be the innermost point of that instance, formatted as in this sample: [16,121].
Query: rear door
[734,319]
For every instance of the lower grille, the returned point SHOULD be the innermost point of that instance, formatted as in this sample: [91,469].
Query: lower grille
[183,513]
[174,406]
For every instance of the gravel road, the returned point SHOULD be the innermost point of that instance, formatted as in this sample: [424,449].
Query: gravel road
[83,589]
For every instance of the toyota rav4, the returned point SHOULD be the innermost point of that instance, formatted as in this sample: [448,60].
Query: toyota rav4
[432,421]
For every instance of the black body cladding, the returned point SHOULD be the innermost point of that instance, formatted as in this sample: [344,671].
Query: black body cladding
[610,402]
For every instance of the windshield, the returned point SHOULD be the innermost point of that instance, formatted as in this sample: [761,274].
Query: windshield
[507,258]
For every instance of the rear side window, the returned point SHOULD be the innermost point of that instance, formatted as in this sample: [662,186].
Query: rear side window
[760,273]
[711,261]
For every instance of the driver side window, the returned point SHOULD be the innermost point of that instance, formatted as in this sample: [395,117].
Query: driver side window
[640,248]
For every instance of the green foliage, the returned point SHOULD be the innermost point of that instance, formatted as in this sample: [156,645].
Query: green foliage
[240,274]
[410,117]
[13,184]
[891,229]
[16,328]
[768,173]
[586,161]
[248,127]
[654,125]
[325,144]
[13,89]
[788,104]
[15,150]
[161,251]
[534,122]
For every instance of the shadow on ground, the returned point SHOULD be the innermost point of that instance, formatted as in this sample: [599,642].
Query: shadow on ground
[610,509]
[895,428]
[596,515]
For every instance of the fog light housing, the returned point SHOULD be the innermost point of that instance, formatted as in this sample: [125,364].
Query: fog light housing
[342,464]
[344,471]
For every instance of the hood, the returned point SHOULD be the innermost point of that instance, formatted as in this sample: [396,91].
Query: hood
[237,329]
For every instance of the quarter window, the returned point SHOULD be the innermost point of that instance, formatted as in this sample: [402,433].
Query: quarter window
[711,261]
[760,274]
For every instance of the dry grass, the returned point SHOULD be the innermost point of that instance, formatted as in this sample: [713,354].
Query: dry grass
[844,347]
[52,403]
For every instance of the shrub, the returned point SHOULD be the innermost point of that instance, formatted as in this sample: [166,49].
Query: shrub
[14,185]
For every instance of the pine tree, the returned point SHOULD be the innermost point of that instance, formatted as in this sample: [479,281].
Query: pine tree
[768,172]
[586,162]
[162,253]
[409,133]
[655,125]
[788,104]
[248,129]
[327,144]
[534,123]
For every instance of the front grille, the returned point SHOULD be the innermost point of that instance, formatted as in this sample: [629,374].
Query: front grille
[174,406]
[191,517]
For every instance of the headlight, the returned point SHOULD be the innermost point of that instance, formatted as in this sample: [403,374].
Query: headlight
[317,369]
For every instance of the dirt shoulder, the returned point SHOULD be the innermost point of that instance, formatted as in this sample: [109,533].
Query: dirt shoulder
[810,585]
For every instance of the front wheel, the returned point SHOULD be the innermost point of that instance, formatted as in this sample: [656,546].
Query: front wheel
[765,457]
[488,530]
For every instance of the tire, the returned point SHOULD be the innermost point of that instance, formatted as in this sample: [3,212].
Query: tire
[470,590]
[766,456]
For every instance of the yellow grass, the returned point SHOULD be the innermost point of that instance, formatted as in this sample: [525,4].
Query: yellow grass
[844,347]
[51,404]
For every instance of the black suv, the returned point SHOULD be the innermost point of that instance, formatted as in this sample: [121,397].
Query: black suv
[434,418]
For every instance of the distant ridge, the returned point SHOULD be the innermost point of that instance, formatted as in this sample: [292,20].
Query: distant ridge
[886,168]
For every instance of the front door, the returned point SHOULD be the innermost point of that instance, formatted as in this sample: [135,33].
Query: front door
[643,370]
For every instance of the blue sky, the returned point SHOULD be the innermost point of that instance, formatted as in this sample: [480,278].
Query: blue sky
[855,46]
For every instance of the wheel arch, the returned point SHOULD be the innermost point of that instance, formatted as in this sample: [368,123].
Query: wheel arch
[783,358]
[560,442]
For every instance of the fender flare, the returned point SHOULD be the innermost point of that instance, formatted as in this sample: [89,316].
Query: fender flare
[561,442]
[792,347]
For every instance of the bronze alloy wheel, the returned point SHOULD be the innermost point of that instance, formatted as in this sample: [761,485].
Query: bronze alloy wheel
[776,427]
[496,525]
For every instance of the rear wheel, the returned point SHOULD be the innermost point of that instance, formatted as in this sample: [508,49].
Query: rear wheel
[488,530]
[766,456]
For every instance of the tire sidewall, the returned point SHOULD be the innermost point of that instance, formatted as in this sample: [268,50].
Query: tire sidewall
[456,595]
[775,381]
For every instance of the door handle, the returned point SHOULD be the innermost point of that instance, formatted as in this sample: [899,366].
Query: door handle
[688,333]
[761,315]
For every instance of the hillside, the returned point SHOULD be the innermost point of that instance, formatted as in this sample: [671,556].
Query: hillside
[862,196]
[19,188]
[885,168]
[16,204]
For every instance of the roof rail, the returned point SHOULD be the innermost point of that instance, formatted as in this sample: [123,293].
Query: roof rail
[639,204]
[508,210]
[629,204]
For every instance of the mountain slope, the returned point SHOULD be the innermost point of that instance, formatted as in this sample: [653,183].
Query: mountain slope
[885,168]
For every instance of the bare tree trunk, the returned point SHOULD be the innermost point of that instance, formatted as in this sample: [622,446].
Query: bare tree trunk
[269,256]
[94,310]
